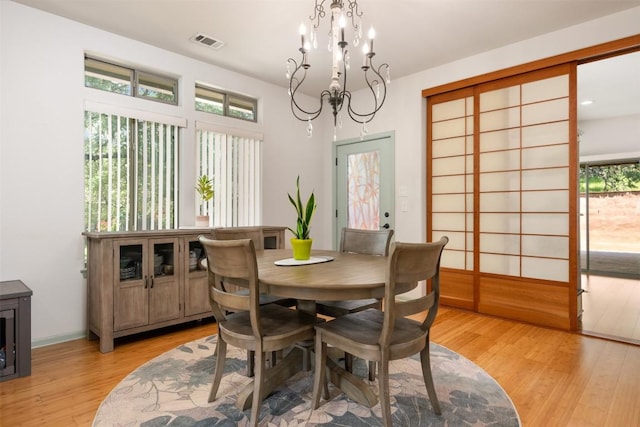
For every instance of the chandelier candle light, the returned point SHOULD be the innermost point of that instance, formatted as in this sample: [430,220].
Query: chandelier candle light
[337,95]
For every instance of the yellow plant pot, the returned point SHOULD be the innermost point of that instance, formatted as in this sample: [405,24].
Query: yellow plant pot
[301,249]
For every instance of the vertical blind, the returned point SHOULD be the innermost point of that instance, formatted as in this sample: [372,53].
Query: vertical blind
[233,159]
[130,173]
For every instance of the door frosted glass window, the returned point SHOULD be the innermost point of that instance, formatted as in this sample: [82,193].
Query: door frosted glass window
[363,197]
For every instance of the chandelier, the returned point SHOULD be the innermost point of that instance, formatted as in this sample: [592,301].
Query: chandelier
[337,95]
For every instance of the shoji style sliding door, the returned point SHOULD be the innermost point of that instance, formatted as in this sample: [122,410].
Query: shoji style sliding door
[502,184]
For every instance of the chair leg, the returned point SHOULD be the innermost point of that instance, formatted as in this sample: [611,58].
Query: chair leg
[372,370]
[258,385]
[319,379]
[221,354]
[428,379]
[250,363]
[383,390]
[348,362]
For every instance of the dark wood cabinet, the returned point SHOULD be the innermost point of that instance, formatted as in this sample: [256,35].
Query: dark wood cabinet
[15,330]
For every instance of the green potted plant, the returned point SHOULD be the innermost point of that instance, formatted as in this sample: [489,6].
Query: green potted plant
[204,188]
[301,242]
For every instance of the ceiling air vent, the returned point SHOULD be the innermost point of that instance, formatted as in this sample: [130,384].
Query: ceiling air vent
[207,41]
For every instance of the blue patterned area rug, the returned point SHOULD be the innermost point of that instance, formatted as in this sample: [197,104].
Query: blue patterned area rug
[172,390]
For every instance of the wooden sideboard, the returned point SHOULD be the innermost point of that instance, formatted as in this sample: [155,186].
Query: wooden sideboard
[143,280]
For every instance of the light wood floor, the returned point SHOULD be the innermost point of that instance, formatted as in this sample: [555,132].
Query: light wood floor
[554,378]
[611,307]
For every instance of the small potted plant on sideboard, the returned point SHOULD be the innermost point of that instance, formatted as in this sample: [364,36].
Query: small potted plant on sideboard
[204,187]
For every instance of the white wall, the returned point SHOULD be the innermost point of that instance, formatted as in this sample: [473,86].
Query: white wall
[41,131]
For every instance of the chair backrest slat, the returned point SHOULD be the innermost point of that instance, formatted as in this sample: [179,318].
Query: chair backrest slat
[368,242]
[256,234]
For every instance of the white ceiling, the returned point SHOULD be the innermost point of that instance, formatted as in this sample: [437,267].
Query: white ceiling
[260,35]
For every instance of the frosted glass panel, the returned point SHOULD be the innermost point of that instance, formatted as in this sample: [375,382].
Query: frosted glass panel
[448,203]
[500,202]
[448,165]
[545,157]
[469,197]
[550,224]
[500,223]
[545,179]
[470,244]
[545,269]
[448,110]
[546,246]
[469,163]
[470,220]
[546,134]
[448,184]
[470,125]
[363,195]
[469,181]
[448,147]
[500,264]
[470,260]
[500,161]
[500,119]
[501,98]
[470,149]
[545,201]
[500,243]
[500,181]
[452,259]
[448,221]
[543,112]
[448,129]
[500,140]
[554,87]
[456,239]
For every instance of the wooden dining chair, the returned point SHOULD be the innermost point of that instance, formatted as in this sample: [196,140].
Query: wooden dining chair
[385,335]
[368,242]
[256,234]
[242,321]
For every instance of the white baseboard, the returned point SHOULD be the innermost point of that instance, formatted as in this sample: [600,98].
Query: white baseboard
[57,339]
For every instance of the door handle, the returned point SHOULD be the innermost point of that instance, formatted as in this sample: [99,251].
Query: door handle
[386,226]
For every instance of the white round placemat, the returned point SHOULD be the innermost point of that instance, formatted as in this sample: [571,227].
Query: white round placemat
[313,260]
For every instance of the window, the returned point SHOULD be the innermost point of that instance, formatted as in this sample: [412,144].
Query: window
[223,103]
[119,79]
[233,158]
[131,173]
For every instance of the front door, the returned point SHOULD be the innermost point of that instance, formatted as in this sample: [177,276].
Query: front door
[364,183]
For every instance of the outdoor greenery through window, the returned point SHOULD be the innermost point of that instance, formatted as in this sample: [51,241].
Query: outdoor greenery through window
[131,173]
[234,162]
[224,103]
[115,78]
[610,178]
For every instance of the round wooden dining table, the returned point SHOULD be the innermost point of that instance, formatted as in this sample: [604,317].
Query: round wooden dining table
[346,276]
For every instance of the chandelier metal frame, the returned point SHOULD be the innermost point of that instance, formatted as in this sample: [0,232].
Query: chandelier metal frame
[338,95]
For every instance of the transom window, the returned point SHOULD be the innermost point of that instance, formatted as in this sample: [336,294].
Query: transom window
[223,103]
[103,75]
